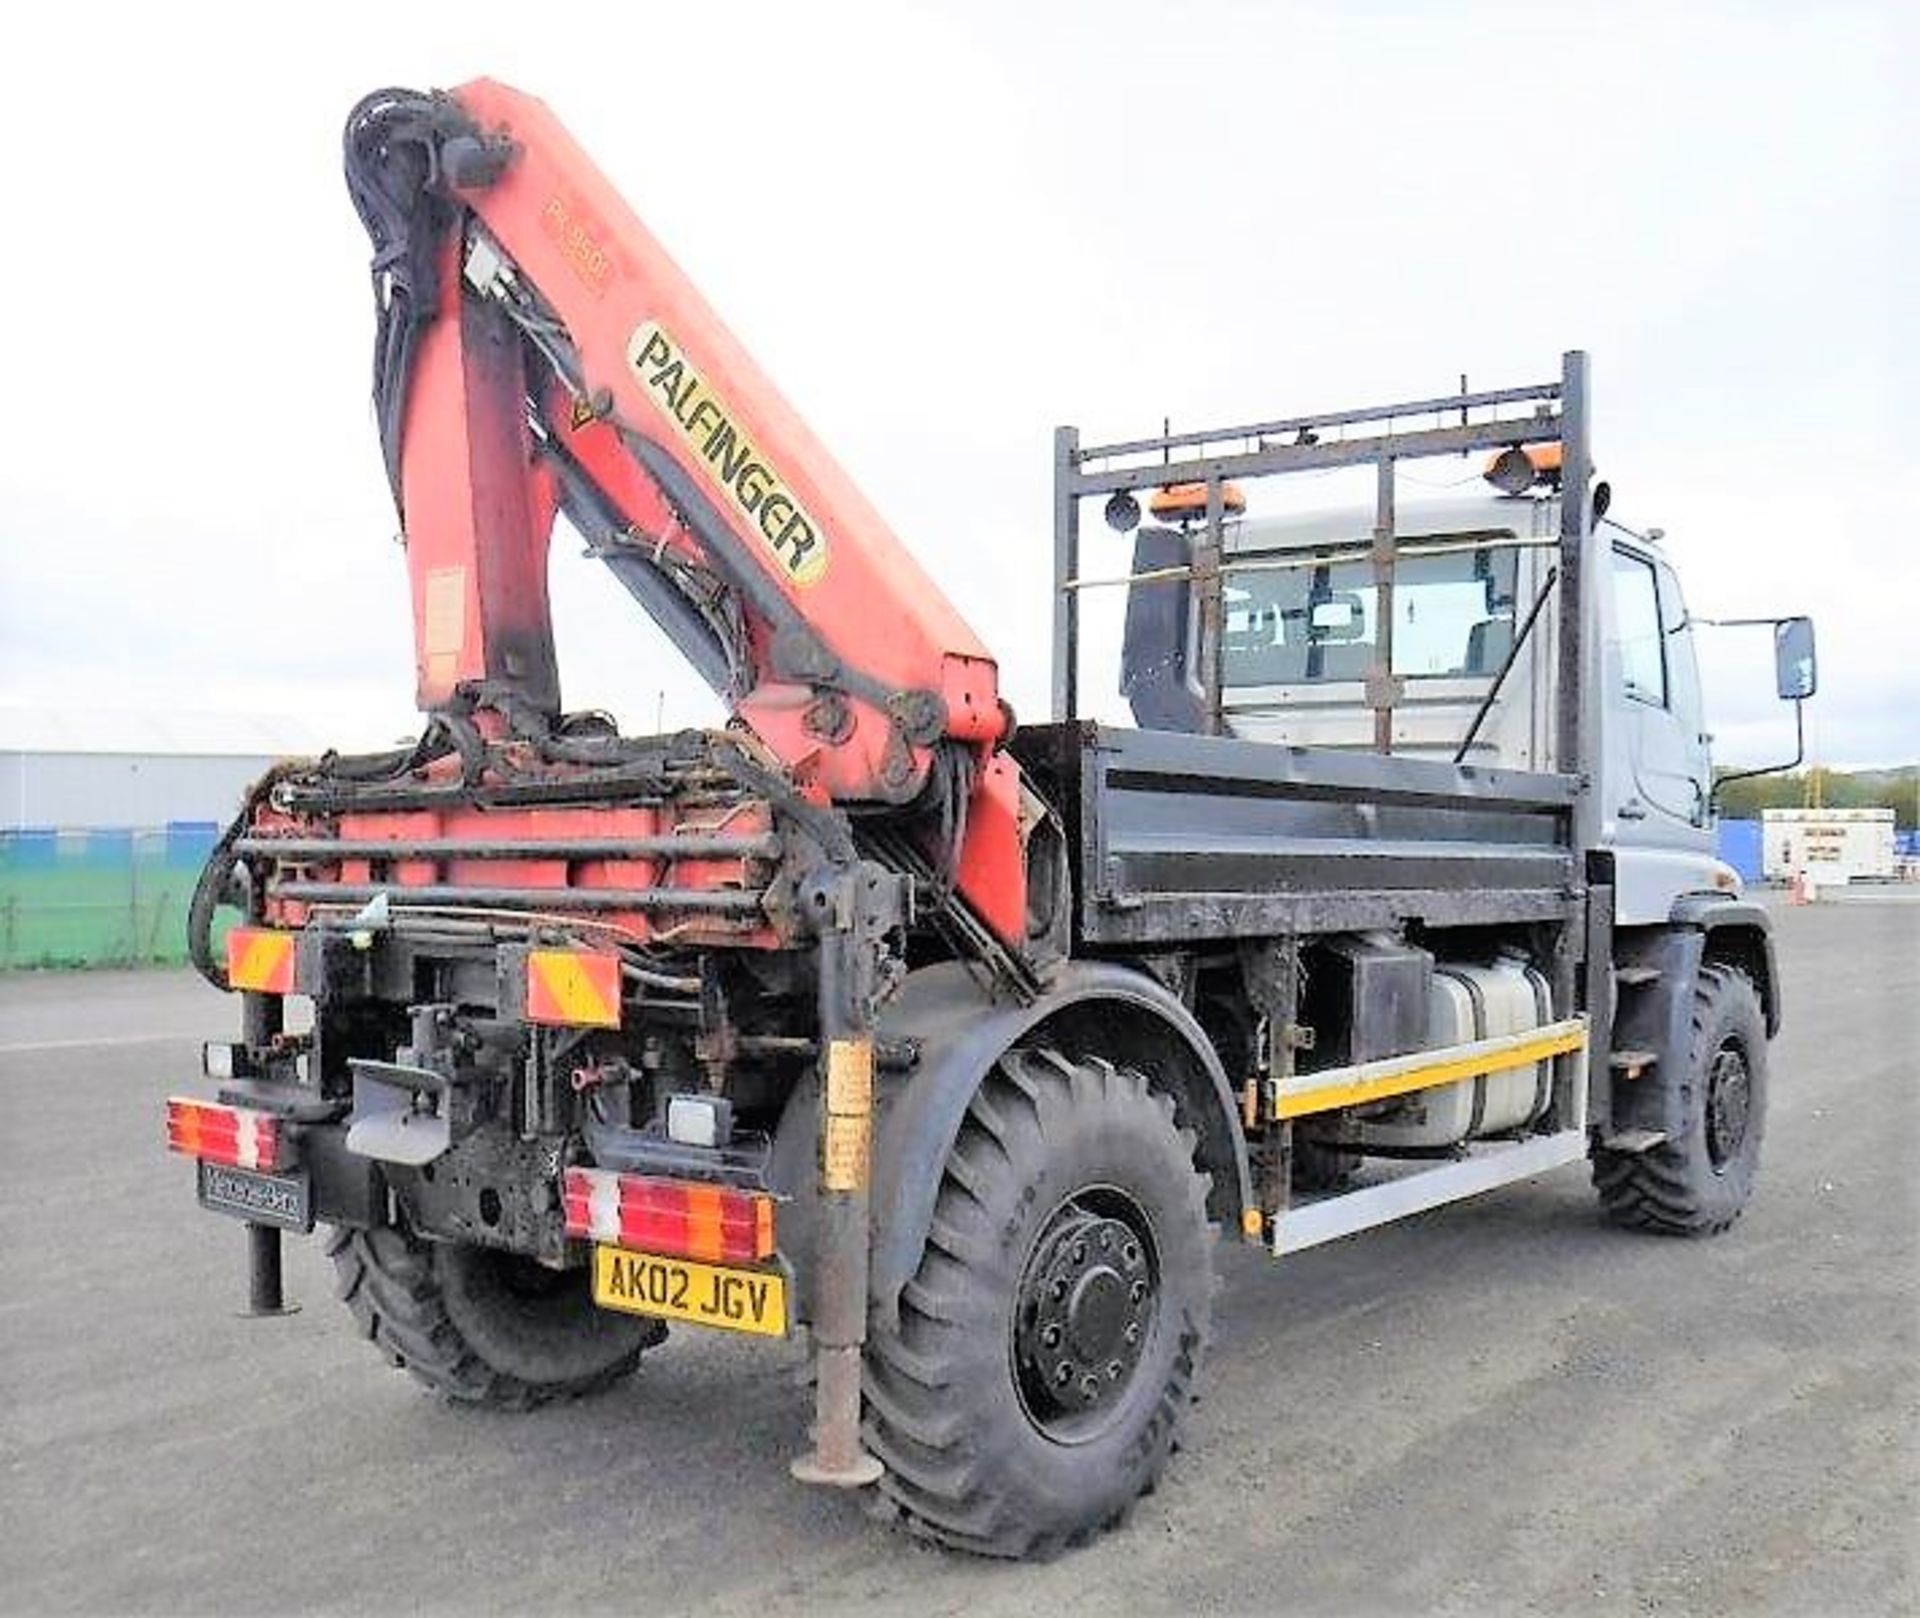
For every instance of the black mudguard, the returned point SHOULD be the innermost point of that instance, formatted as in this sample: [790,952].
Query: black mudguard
[1741,932]
[1658,1018]
[959,1031]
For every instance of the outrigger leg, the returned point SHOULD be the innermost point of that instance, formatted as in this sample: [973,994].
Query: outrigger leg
[855,912]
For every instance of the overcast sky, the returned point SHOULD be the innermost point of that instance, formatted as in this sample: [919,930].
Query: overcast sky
[943,230]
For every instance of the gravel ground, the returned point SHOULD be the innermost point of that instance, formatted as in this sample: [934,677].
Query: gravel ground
[1501,1407]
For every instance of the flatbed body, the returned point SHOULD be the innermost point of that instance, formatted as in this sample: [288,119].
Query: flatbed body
[1181,838]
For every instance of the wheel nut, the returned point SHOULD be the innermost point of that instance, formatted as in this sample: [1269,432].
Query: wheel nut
[1063,1374]
[1114,1368]
[1137,1291]
[1132,1333]
[1090,1387]
[1079,1252]
[1050,1336]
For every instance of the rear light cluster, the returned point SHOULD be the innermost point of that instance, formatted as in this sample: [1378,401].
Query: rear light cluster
[667,1216]
[239,1137]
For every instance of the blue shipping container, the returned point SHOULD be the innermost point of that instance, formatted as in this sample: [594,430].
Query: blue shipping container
[1738,843]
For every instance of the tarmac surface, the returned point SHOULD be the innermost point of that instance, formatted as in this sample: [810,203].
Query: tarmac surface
[1500,1407]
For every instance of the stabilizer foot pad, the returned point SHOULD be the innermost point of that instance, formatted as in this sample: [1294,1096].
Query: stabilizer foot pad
[863,1470]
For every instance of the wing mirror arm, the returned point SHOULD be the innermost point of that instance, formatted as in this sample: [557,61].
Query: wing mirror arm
[1795,678]
[1794,763]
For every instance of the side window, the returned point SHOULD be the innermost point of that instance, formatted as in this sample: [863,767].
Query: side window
[1636,621]
[1683,668]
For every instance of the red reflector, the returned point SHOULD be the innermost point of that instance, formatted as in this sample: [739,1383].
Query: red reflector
[239,1137]
[710,1222]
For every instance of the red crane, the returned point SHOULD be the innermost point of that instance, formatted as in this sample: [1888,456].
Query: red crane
[539,351]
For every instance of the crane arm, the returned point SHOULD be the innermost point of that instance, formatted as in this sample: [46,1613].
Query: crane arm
[539,352]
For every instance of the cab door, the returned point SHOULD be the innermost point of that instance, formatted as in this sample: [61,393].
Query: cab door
[1661,781]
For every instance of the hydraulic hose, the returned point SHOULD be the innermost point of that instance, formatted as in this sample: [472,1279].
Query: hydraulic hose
[211,888]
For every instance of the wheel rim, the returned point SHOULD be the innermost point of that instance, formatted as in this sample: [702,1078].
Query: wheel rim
[1729,1103]
[1084,1314]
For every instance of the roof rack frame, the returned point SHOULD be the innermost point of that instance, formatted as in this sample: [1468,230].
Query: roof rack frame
[1553,411]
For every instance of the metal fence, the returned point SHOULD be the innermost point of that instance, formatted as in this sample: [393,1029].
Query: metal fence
[99,896]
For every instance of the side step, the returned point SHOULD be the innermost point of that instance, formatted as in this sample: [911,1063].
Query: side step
[1328,1220]
[1631,1064]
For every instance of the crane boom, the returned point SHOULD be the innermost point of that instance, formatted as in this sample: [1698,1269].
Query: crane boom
[540,352]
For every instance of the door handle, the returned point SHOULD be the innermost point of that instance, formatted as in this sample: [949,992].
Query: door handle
[1633,809]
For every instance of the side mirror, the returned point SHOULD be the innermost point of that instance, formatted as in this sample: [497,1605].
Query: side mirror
[1794,677]
[1795,672]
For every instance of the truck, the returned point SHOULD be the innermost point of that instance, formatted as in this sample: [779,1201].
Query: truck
[954,1045]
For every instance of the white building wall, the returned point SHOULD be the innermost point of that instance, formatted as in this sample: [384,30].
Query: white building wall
[122,789]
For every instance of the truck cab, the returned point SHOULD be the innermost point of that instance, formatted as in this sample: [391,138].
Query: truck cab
[1299,634]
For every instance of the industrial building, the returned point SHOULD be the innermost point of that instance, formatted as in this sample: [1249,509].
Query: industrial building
[83,768]
[106,818]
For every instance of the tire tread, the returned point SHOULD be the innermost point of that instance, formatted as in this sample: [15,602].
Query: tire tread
[1658,1190]
[939,1482]
[386,1279]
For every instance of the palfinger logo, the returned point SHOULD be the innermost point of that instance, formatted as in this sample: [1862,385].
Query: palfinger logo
[711,430]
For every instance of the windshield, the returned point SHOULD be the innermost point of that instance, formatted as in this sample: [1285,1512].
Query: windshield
[1453,616]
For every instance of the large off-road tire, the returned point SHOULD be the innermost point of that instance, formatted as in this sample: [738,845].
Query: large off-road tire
[1698,1183]
[483,1327]
[1048,1345]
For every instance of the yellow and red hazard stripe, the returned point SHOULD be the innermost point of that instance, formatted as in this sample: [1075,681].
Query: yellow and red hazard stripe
[573,988]
[261,959]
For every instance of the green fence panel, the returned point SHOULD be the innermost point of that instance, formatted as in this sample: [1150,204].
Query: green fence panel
[98,896]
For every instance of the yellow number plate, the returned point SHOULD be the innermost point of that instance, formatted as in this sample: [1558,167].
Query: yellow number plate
[679,1289]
